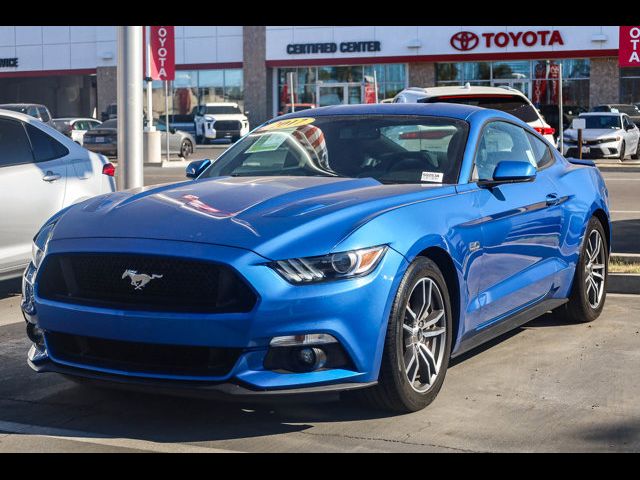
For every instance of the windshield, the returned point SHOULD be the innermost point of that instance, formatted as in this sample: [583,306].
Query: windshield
[391,149]
[15,108]
[513,104]
[221,110]
[602,121]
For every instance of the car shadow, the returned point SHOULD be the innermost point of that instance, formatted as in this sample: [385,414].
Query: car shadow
[10,288]
[625,236]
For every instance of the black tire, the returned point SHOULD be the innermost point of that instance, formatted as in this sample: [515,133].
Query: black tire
[579,309]
[622,151]
[186,148]
[636,155]
[394,390]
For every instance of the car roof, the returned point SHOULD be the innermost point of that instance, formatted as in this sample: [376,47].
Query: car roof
[601,114]
[464,90]
[220,104]
[21,105]
[452,110]
[77,118]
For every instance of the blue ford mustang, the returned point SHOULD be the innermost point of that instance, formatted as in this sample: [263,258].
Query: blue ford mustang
[341,248]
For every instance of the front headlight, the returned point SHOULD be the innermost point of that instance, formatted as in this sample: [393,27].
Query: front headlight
[40,242]
[335,266]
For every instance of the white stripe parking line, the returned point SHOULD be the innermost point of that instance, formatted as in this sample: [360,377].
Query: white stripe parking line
[101,439]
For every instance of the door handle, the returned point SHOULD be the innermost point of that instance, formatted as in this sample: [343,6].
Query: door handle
[552,199]
[51,176]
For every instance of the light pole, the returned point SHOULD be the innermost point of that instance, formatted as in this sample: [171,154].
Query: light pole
[129,91]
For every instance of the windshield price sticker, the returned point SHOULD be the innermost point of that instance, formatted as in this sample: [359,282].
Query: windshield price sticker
[289,123]
[432,177]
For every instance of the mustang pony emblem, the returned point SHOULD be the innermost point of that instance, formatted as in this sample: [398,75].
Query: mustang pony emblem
[139,280]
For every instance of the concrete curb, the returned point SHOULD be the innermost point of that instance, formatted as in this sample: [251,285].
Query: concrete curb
[623,283]
[626,257]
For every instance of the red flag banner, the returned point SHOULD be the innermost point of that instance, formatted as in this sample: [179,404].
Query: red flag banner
[629,50]
[163,53]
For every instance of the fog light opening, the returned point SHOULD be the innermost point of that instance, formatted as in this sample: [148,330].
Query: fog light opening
[311,358]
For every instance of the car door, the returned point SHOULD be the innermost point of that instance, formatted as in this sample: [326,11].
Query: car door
[521,227]
[630,134]
[32,188]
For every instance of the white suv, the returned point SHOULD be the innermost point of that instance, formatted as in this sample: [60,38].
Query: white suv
[220,120]
[506,99]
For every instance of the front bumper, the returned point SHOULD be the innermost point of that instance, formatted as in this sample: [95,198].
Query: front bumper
[354,311]
[601,150]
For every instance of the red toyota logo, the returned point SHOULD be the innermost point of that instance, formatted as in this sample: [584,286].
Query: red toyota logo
[464,41]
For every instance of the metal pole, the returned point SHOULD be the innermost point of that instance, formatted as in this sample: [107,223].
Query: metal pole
[166,117]
[375,83]
[129,91]
[561,113]
[293,107]
[150,126]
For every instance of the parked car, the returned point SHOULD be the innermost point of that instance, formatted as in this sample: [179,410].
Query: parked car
[110,112]
[104,139]
[628,109]
[220,120]
[34,110]
[506,99]
[41,172]
[607,135]
[297,107]
[75,127]
[332,249]
[551,113]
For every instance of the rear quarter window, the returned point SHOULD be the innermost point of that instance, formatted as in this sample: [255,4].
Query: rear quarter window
[44,146]
[14,144]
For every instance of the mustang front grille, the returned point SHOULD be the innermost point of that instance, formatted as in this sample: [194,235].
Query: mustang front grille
[144,282]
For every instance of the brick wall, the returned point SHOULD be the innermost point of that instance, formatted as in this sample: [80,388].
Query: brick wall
[256,93]
[106,88]
[422,74]
[604,84]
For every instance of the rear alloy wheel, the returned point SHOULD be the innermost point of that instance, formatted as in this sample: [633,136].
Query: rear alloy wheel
[418,342]
[589,290]
[636,155]
[186,149]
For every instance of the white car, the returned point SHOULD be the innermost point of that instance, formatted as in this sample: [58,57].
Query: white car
[606,135]
[506,99]
[220,120]
[41,172]
[75,127]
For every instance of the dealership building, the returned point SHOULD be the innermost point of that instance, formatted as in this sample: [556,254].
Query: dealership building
[73,69]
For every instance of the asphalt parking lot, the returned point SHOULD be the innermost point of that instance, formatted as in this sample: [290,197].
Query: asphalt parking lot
[549,386]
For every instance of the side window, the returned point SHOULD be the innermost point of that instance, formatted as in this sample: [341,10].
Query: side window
[14,144]
[501,141]
[44,115]
[45,147]
[541,153]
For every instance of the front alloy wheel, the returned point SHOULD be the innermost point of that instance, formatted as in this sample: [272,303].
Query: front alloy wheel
[589,290]
[417,343]
[425,330]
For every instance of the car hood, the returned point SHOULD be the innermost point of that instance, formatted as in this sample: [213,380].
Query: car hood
[276,217]
[226,116]
[594,133]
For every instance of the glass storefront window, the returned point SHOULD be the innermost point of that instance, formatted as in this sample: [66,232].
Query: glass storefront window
[535,78]
[196,87]
[630,85]
[515,69]
[326,85]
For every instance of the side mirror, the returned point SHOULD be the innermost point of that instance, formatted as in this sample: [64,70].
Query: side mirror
[172,130]
[195,168]
[510,172]
[247,112]
[629,127]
